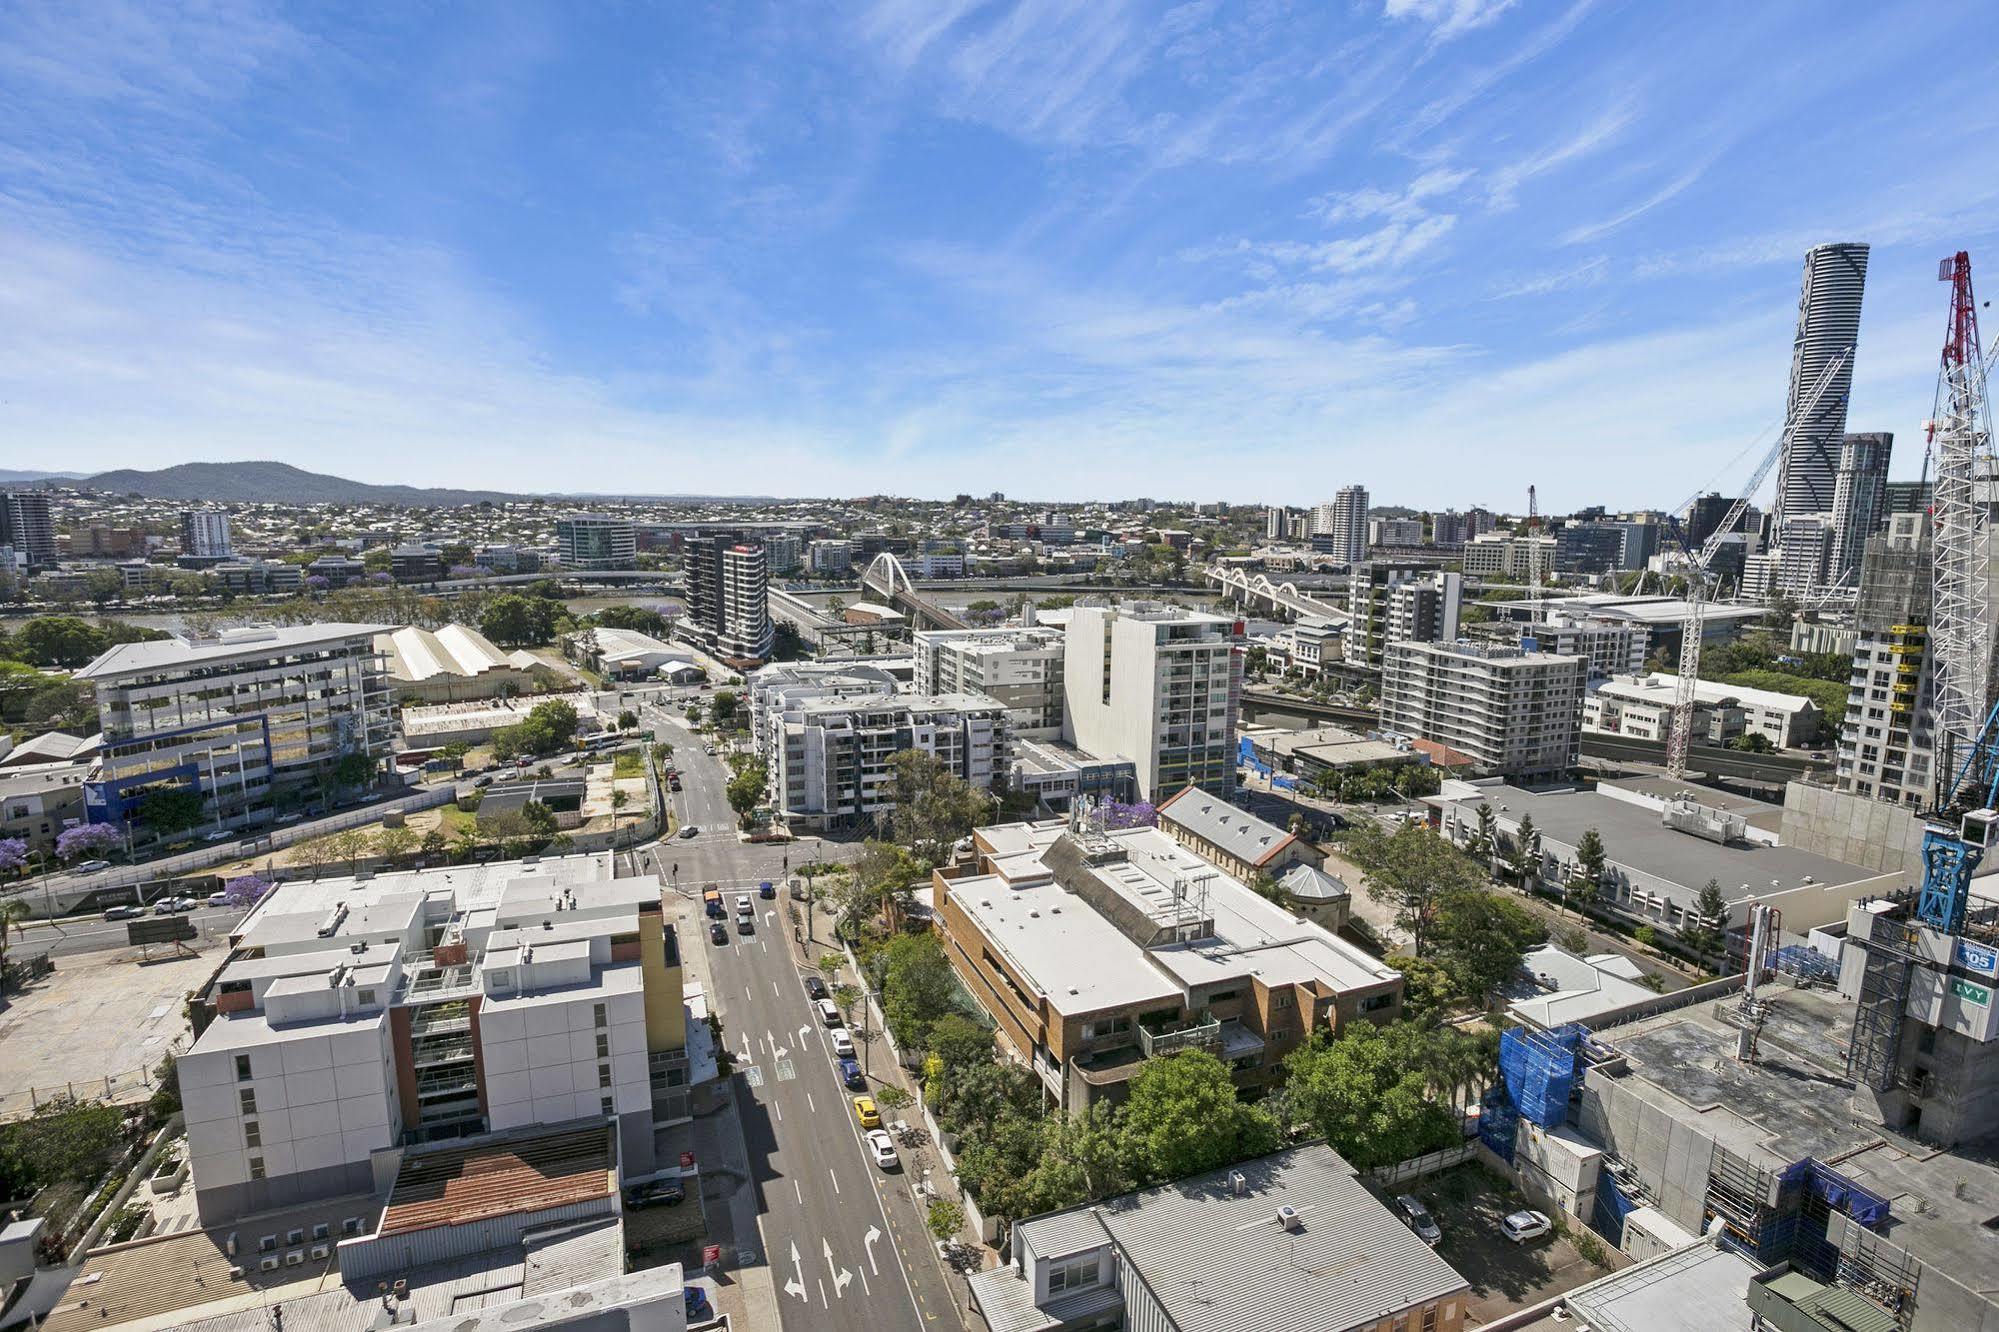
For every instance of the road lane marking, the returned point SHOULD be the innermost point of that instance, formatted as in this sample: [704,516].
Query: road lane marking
[824,1302]
[775,993]
[796,1286]
[842,1278]
[777,1110]
[835,1178]
[808,1103]
[795,1188]
[753,1075]
[868,1243]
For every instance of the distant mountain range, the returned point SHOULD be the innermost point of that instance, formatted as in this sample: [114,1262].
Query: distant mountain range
[10,476]
[274,483]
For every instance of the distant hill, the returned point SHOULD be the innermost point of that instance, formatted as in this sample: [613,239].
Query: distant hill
[9,476]
[273,482]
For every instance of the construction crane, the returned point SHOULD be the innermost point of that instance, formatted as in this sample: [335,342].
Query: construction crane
[1693,624]
[1959,828]
[1533,557]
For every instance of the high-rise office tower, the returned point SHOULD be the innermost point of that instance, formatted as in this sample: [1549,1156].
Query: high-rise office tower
[1859,501]
[1828,324]
[26,526]
[205,533]
[1345,521]
[596,541]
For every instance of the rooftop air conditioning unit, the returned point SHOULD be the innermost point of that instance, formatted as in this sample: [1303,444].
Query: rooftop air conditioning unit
[1287,1217]
[268,1263]
[1238,1183]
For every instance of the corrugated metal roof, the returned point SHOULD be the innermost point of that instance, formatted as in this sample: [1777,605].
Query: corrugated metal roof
[1215,820]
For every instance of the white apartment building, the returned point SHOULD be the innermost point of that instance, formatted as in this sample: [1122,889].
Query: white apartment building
[828,756]
[1021,668]
[1160,686]
[1504,555]
[1345,521]
[1511,712]
[784,552]
[596,541]
[1610,647]
[1641,706]
[357,1016]
[205,533]
[830,556]
[1395,531]
[249,720]
[1395,603]
[728,599]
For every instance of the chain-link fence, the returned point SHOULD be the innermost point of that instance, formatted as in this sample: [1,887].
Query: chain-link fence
[125,1088]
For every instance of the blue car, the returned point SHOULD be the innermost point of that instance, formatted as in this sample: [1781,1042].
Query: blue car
[850,1073]
[698,1308]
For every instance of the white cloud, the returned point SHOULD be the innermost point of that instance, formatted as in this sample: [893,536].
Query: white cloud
[1448,18]
[1504,182]
[1666,193]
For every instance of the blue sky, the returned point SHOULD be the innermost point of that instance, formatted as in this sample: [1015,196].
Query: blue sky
[1243,250]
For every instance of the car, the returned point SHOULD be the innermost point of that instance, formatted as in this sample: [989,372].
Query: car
[743,903]
[481,782]
[829,1013]
[168,906]
[656,1193]
[286,820]
[767,890]
[746,924]
[718,932]
[217,899]
[1523,1226]
[867,1112]
[689,831]
[699,1310]
[1418,1219]
[89,866]
[125,911]
[882,1148]
[815,989]
[220,835]
[843,1044]
[850,1073]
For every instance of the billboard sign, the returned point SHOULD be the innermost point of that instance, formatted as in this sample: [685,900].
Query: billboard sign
[159,930]
[1978,957]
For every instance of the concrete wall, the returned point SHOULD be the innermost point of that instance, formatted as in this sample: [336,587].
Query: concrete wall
[1672,1158]
[1851,828]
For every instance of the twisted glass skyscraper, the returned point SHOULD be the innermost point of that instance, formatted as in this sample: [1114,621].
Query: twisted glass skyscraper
[1828,323]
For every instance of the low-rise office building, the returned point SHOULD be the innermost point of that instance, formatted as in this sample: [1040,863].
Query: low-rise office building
[596,541]
[1095,950]
[450,663]
[246,720]
[1291,1242]
[355,1016]
[1511,712]
[627,654]
[38,801]
[1641,706]
[1234,839]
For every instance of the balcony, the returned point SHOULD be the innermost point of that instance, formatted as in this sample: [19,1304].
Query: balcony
[1199,1036]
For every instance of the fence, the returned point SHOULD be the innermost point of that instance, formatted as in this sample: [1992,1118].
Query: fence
[1416,1167]
[131,1086]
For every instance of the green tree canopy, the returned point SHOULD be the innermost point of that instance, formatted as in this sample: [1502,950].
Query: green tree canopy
[1365,1092]
[917,986]
[1182,1117]
[65,1139]
[513,620]
[1413,870]
[933,806]
[639,619]
[167,810]
[1481,938]
[746,789]
[1705,931]
[549,726]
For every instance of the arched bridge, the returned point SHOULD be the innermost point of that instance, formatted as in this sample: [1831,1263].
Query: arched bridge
[1253,589]
[887,579]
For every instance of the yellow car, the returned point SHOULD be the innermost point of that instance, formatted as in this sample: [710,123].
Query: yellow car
[864,1110]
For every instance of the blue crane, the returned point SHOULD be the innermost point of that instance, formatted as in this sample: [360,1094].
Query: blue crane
[1960,830]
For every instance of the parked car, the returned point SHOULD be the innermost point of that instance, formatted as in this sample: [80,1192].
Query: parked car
[867,1112]
[220,835]
[1419,1219]
[815,989]
[124,912]
[767,890]
[480,783]
[1523,1226]
[718,932]
[746,924]
[89,866]
[843,1044]
[699,1310]
[829,1013]
[743,903]
[168,906]
[690,831]
[882,1148]
[218,899]
[850,1073]
[656,1193]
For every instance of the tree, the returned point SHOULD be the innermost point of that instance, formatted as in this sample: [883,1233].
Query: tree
[395,844]
[540,820]
[932,807]
[917,986]
[432,846]
[1483,843]
[1524,858]
[1428,991]
[1705,932]
[168,810]
[892,1098]
[1481,939]
[61,704]
[517,621]
[1583,885]
[349,846]
[960,1043]
[722,708]
[1365,1092]
[1412,870]
[628,720]
[58,640]
[1182,1117]
[87,840]
[549,726]
[103,585]
[13,854]
[639,619]
[746,789]
[1752,742]
[246,890]
[67,1139]
[352,770]
[883,876]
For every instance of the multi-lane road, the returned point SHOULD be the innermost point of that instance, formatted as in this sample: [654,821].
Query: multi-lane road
[844,1239]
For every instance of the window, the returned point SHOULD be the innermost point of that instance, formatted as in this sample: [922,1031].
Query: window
[1072,1274]
[368,998]
[253,1133]
[608,1107]
[603,1046]
[248,1099]
[1374,1003]
[256,1167]
[1430,1320]
[1284,999]
[597,1012]
[603,1075]
[242,1068]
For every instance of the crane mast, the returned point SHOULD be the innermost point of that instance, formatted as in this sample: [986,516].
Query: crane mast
[1533,557]
[1693,624]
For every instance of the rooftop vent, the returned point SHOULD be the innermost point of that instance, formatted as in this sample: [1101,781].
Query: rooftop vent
[1238,1183]
[1287,1217]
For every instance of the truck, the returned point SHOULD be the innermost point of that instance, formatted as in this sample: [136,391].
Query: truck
[711,901]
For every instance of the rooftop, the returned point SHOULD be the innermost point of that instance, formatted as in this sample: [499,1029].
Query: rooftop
[249,644]
[1217,822]
[1072,955]
[461,1185]
[419,654]
[1567,988]
[1696,1289]
[1215,1258]
[1660,687]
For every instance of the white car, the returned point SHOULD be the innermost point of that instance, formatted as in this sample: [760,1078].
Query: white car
[743,906]
[89,866]
[843,1044]
[882,1148]
[1523,1226]
[829,1012]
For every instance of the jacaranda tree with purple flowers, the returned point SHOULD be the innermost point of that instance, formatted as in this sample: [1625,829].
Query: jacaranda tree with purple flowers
[1117,814]
[13,855]
[246,890]
[86,840]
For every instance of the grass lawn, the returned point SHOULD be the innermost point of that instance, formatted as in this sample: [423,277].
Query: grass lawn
[628,764]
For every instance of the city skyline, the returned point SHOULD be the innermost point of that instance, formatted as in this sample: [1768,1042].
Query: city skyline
[962,246]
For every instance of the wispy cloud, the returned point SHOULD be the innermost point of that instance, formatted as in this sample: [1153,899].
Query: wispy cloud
[1665,193]
[1448,18]
[1504,182]
[1469,86]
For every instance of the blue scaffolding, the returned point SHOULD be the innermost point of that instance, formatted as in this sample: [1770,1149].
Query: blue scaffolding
[1538,1070]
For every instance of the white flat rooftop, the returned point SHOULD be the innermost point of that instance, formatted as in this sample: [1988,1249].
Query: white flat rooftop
[1068,952]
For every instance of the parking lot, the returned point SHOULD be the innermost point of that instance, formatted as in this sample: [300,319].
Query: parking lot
[1468,1205]
[98,1015]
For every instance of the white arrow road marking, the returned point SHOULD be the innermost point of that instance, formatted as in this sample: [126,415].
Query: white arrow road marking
[770,915]
[868,1242]
[842,1278]
[771,1041]
[796,1286]
[803,1032]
